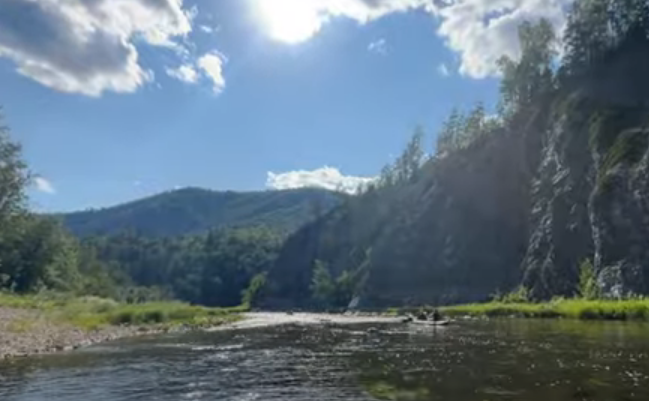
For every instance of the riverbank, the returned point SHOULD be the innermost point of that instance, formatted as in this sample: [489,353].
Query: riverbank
[45,324]
[634,309]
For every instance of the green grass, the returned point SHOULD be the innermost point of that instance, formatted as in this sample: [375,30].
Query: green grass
[383,390]
[92,313]
[633,309]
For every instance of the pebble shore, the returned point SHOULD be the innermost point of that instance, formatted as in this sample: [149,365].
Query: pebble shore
[25,332]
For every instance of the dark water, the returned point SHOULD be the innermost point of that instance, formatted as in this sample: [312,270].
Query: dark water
[473,361]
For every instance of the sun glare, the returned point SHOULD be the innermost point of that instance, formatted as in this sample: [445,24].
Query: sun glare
[290,21]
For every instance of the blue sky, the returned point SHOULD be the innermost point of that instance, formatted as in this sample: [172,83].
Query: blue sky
[114,100]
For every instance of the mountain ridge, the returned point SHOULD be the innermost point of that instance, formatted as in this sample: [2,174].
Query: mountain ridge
[193,210]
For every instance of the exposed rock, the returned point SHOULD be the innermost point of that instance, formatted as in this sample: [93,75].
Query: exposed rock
[620,216]
[561,237]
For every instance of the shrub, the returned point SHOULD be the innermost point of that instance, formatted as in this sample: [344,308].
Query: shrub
[519,295]
[588,287]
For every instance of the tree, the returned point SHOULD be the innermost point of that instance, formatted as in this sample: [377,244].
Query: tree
[251,294]
[344,289]
[588,287]
[531,77]
[587,35]
[407,166]
[14,178]
[449,137]
[232,258]
[323,288]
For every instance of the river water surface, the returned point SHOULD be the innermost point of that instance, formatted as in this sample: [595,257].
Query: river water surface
[522,360]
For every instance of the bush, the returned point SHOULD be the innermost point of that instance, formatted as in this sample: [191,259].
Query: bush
[154,316]
[123,317]
[519,295]
[588,287]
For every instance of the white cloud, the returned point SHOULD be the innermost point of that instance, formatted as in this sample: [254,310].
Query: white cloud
[207,29]
[326,177]
[378,46]
[87,46]
[44,185]
[443,70]
[481,31]
[295,21]
[185,73]
[209,66]
[212,66]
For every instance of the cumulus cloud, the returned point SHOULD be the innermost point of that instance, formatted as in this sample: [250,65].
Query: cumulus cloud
[443,70]
[298,20]
[44,185]
[207,67]
[326,177]
[87,46]
[212,66]
[378,46]
[185,73]
[481,31]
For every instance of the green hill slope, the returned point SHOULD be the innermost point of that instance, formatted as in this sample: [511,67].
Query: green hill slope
[194,210]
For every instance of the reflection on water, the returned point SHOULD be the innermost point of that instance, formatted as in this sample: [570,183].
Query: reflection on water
[472,361]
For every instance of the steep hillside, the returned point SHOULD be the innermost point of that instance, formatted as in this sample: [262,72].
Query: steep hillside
[194,210]
[559,178]
[455,232]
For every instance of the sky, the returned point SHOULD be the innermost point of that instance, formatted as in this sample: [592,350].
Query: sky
[114,100]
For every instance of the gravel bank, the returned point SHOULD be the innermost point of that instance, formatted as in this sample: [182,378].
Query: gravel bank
[26,332]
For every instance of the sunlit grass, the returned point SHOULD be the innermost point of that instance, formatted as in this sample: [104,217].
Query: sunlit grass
[92,313]
[383,390]
[632,309]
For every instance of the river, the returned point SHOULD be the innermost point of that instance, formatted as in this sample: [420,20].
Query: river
[311,359]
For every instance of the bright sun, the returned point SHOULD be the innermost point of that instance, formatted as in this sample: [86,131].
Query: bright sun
[290,21]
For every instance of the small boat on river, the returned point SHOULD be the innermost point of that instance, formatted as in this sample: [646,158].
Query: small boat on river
[426,322]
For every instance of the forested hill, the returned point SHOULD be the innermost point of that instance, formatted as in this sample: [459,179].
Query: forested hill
[194,210]
[550,197]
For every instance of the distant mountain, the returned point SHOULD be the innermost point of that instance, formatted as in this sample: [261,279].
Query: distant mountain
[193,210]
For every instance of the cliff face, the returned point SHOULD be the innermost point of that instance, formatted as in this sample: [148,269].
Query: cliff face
[619,206]
[560,236]
[567,180]
[459,234]
[619,213]
[591,195]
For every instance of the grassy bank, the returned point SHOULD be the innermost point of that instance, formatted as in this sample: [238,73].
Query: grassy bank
[636,309]
[93,313]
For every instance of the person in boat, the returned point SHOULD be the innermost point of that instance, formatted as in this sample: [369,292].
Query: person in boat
[436,315]
[422,315]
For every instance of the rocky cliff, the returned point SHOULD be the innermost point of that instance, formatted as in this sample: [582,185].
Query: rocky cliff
[591,194]
[563,178]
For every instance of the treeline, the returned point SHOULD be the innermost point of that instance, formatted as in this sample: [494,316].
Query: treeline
[223,267]
[35,252]
[213,269]
[502,202]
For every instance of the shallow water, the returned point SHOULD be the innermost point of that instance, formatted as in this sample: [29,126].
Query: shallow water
[522,360]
